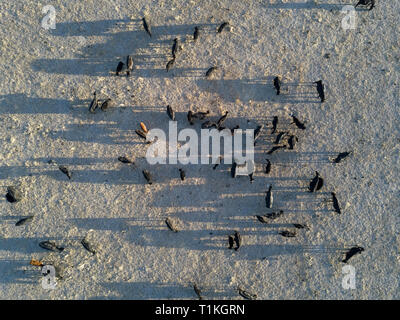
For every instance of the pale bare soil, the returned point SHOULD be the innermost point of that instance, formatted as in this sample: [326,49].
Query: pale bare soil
[47,81]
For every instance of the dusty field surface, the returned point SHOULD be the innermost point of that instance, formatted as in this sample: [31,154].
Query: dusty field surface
[47,82]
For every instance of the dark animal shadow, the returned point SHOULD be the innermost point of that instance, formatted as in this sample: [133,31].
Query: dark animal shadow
[16,271]
[22,104]
[260,90]
[119,173]
[307,5]
[146,291]
[155,233]
[268,252]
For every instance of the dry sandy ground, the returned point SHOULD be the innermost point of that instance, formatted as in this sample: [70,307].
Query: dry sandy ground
[47,81]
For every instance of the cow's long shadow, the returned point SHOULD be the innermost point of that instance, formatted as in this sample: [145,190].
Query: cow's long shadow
[268,252]
[120,175]
[260,90]
[307,5]
[18,271]
[26,245]
[146,290]
[20,103]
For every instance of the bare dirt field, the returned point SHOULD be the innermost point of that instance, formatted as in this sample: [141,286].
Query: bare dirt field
[47,80]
